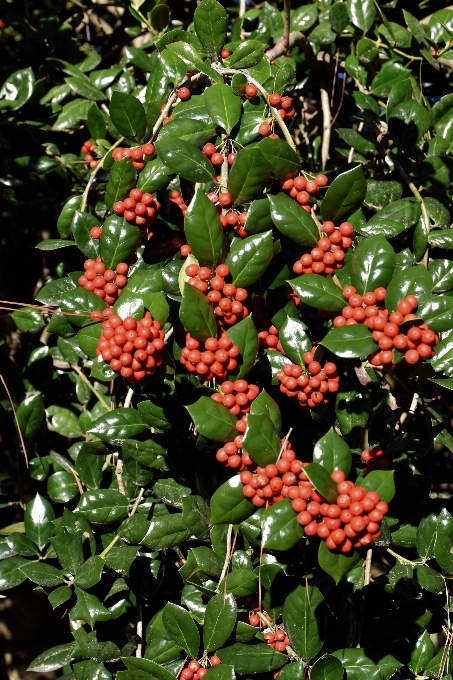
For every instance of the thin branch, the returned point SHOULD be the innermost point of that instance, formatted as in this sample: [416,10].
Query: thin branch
[99,166]
[242,6]
[326,126]
[98,396]
[16,419]
[132,512]
[295,38]
[138,651]
[226,563]
[119,476]
[129,396]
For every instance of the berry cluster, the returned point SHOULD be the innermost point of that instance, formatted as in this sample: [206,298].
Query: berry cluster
[139,208]
[175,197]
[302,189]
[267,332]
[215,358]
[226,297]
[105,283]
[417,343]
[277,640]
[132,348]
[374,458]
[86,149]
[137,154]
[215,156]
[195,671]
[329,253]
[310,386]
[352,522]
[231,454]
[237,396]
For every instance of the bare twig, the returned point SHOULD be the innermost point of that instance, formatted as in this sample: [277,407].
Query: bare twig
[99,166]
[129,396]
[326,126]
[138,651]
[226,563]
[15,418]
[119,476]
[295,38]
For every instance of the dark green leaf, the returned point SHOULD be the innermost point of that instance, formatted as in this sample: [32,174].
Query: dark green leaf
[17,89]
[53,659]
[292,220]
[416,281]
[322,481]
[224,107]
[185,159]
[437,312]
[203,230]
[88,339]
[259,217]
[280,528]
[103,506]
[382,482]
[250,258]
[249,175]
[335,563]
[303,616]
[38,520]
[117,425]
[154,176]
[373,264]
[145,668]
[345,195]
[328,667]
[250,659]
[408,122]
[219,621]
[62,487]
[245,336]
[121,181]
[429,530]
[196,314]
[96,123]
[229,505]
[81,226]
[42,574]
[85,88]
[280,156]
[333,453]
[211,22]
[11,574]
[181,628]
[421,654]
[66,218]
[319,292]
[247,54]
[128,115]
[189,130]
[294,340]
[350,342]
[213,420]
[118,240]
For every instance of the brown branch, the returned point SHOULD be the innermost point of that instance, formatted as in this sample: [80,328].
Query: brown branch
[16,419]
[295,38]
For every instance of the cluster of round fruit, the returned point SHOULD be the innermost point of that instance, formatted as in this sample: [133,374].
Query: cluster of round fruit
[226,298]
[310,386]
[132,348]
[237,396]
[329,253]
[277,640]
[139,208]
[353,521]
[177,199]
[302,189]
[231,454]
[284,105]
[137,154]
[215,156]
[273,483]
[417,343]
[86,149]
[215,358]
[374,458]
[105,283]
[195,671]
[267,332]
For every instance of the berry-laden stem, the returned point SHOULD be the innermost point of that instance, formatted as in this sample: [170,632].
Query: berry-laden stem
[275,114]
[132,512]
[83,205]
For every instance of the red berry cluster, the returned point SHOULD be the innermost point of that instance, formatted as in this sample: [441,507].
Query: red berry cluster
[132,348]
[226,297]
[105,283]
[86,149]
[374,458]
[302,189]
[352,522]
[215,156]
[137,154]
[284,105]
[175,197]
[310,386]
[417,343]
[330,252]
[237,396]
[267,332]
[277,640]
[139,208]
[195,671]
[216,358]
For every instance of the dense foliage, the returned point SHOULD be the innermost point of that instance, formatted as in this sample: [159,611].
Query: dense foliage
[225,414]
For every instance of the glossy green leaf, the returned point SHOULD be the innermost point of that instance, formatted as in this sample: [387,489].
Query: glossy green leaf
[193,131]
[250,659]
[247,54]
[344,196]
[128,115]
[249,175]
[96,123]
[203,230]
[303,617]
[213,420]
[280,156]
[429,579]
[429,530]
[322,481]
[121,181]
[224,107]
[304,17]
[38,520]
[250,258]
[81,225]
[17,89]
[373,264]
[53,659]
[197,315]
[381,481]
[62,487]
[408,122]
[292,220]
[416,281]
[67,215]
[350,342]
[117,425]
[182,629]
[335,563]
[319,292]
[154,176]
[421,654]
[88,339]
[118,240]
[210,23]
[240,582]
[145,668]
[219,620]
[388,76]
[245,336]
[280,528]
[103,506]
[284,77]
[333,453]
[29,416]
[294,340]
[28,319]
[328,667]
[42,574]
[258,217]
[442,271]
[229,505]
[185,159]
[437,312]
[85,88]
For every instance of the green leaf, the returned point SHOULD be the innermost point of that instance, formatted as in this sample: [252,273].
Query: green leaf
[261,439]
[240,582]
[89,468]
[249,123]
[328,667]
[38,520]
[81,225]
[437,312]
[362,14]
[211,23]
[53,659]
[336,563]
[280,528]
[333,453]
[117,425]
[223,105]
[408,122]
[416,281]
[54,244]
[222,672]
[259,217]
[284,77]
[197,315]
[103,506]
[387,77]
[96,123]
[294,340]
[100,370]
[280,156]
[185,159]
[338,17]
[29,416]
[145,668]
[11,574]
[441,238]
[421,654]
[182,629]
[193,131]
[154,176]
[160,18]
[67,215]
[373,264]
[249,175]
[245,336]
[304,17]
[429,531]
[42,574]
[250,659]
[229,505]
[345,195]
[429,579]
[381,481]
[350,342]
[358,664]
[203,230]
[62,487]
[352,407]
[118,240]
[322,481]
[250,258]
[88,339]
[28,319]
[128,115]
[303,617]
[442,271]
[89,608]
[319,292]
[85,88]
[17,89]
[247,54]
[219,620]
[71,114]
[121,181]
[129,305]
[213,420]
[292,220]
[379,194]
